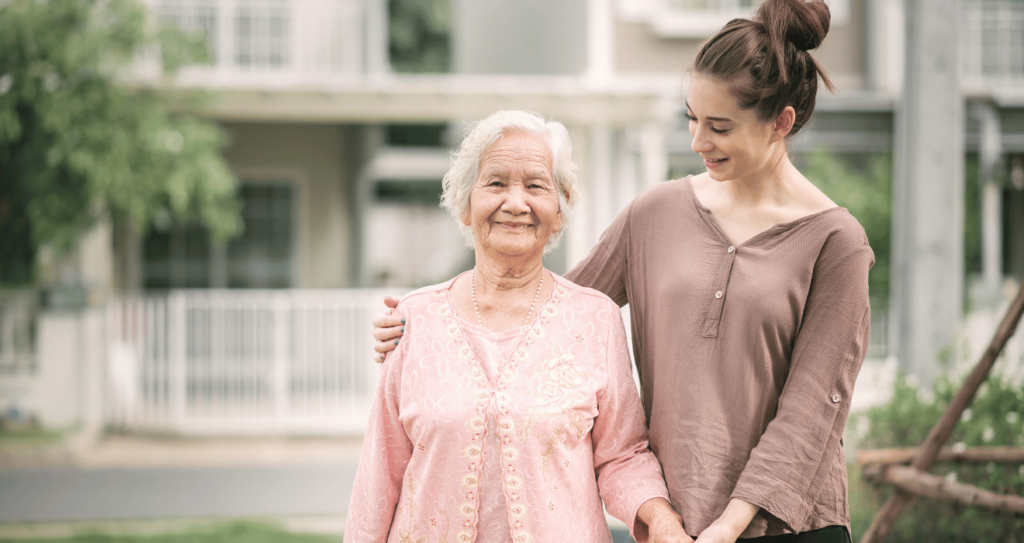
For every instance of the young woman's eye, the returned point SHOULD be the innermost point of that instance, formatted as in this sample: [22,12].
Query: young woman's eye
[719,130]
[689,117]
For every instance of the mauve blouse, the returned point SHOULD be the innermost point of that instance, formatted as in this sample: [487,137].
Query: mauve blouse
[747,353]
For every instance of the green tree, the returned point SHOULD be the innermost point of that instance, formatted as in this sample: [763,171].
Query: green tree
[419,35]
[79,142]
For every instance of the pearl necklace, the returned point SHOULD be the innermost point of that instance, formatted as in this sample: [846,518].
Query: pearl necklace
[480,321]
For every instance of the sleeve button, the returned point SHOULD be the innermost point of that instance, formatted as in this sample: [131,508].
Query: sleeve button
[835,398]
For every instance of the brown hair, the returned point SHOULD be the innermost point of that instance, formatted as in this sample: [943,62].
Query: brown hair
[765,60]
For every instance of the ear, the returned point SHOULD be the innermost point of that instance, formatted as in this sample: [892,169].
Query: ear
[783,124]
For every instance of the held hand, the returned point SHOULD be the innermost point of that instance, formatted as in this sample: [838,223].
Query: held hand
[387,330]
[664,525]
[728,527]
[667,529]
[718,533]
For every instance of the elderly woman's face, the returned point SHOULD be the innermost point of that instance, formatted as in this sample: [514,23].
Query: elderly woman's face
[513,207]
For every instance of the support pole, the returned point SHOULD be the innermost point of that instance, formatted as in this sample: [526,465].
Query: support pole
[940,433]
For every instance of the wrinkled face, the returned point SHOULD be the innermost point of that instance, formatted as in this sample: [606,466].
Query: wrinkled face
[732,141]
[513,207]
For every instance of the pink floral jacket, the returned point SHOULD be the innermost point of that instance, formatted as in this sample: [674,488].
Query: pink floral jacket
[566,412]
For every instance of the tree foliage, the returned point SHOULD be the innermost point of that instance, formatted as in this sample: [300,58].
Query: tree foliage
[419,35]
[79,142]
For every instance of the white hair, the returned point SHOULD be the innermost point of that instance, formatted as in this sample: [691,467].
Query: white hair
[458,182]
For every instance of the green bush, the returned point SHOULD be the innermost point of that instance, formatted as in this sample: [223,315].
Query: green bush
[995,418]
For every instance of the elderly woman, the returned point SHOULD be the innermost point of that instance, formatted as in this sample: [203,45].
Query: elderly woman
[508,410]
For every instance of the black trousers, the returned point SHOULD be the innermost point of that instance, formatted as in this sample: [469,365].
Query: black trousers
[829,534]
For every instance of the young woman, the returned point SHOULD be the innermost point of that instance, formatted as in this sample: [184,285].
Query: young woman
[748,296]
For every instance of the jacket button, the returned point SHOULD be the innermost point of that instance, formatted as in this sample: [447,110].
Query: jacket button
[835,398]
[718,294]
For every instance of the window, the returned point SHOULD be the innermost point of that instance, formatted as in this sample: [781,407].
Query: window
[702,18]
[261,34]
[193,16]
[714,5]
[261,256]
[183,256]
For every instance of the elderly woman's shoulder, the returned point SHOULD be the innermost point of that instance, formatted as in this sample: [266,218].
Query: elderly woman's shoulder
[424,296]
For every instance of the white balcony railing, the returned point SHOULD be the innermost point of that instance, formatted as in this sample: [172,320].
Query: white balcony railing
[242,361]
[993,43]
[273,41]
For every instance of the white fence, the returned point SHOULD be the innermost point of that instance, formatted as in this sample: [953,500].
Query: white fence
[19,310]
[993,43]
[242,361]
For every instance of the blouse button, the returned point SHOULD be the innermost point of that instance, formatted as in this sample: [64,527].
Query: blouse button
[731,248]
[718,294]
[835,398]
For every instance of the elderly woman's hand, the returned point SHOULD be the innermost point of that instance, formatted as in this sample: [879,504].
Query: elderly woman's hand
[664,525]
[387,330]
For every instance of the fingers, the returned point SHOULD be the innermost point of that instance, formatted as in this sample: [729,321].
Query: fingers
[388,334]
[391,301]
[388,321]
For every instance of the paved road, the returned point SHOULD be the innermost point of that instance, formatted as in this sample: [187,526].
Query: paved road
[67,493]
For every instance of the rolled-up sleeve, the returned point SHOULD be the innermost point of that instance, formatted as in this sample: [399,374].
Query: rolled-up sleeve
[628,474]
[382,463]
[815,400]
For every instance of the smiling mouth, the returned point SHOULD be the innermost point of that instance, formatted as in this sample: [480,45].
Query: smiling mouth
[715,160]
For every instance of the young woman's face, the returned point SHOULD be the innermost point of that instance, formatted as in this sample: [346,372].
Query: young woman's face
[732,141]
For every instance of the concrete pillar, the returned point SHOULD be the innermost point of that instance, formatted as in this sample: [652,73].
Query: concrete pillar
[990,151]
[928,199]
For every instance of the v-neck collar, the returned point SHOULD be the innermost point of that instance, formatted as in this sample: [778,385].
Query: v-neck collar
[524,332]
[773,230]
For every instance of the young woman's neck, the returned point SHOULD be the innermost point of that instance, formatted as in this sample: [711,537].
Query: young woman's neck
[774,182]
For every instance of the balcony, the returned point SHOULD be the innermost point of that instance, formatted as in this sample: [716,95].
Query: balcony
[268,44]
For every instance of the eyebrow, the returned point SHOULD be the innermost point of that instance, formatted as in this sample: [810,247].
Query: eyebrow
[719,119]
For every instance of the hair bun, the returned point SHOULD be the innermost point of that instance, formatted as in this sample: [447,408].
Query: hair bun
[804,24]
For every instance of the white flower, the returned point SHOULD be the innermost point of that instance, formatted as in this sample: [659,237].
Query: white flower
[988,434]
[6,82]
[51,82]
[959,447]
[1012,417]
[951,477]
[925,396]
[174,141]
[967,415]
[912,380]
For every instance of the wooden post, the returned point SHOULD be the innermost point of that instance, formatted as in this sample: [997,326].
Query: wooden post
[1004,455]
[925,484]
[940,433]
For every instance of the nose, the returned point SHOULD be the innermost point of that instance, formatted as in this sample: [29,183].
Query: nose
[700,144]
[515,201]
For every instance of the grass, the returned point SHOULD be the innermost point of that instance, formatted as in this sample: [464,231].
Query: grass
[31,437]
[235,532]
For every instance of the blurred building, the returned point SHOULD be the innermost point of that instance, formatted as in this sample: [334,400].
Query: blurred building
[340,160]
